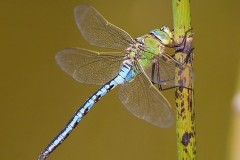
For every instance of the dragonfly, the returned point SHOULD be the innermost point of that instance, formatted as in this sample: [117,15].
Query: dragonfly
[141,67]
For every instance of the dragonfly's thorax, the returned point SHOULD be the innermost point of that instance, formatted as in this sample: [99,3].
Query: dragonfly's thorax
[152,44]
[145,50]
[134,51]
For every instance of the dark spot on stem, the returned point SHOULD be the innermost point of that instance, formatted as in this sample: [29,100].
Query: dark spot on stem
[179,72]
[181,89]
[182,104]
[177,105]
[193,117]
[182,110]
[176,94]
[186,138]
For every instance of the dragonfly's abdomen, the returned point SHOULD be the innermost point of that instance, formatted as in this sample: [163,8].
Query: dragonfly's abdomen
[125,74]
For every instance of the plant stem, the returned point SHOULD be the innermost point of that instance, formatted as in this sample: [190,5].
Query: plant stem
[185,111]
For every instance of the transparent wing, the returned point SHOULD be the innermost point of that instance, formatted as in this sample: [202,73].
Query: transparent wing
[88,66]
[162,73]
[145,101]
[98,31]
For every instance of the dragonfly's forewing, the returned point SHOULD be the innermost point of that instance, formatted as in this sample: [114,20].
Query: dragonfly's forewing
[145,101]
[88,66]
[98,31]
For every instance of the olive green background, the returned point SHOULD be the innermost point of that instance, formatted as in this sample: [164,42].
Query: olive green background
[37,98]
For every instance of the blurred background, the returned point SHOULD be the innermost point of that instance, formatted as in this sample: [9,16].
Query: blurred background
[37,98]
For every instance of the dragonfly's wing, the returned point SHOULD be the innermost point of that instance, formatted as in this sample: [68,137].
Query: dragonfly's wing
[145,101]
[98,31]
[162,72]
[88,66]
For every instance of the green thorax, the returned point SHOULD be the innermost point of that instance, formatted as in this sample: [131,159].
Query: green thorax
[149,48]
[146,50]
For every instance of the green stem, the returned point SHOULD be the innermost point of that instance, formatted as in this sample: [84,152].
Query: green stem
[185,111]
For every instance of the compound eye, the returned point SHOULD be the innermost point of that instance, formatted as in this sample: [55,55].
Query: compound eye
[167,30]
[161,36]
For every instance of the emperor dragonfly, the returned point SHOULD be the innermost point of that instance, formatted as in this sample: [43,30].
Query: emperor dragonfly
[139,60]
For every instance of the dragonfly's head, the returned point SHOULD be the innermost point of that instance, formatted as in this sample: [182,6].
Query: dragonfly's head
[164,35]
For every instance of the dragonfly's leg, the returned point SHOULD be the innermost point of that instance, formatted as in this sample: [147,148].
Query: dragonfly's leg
[152,73]
[189,56]
[158,77]
[155,68]
[172,57]
[180,87]
[184,39]
[187,59]
[167,57]
[182,43]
